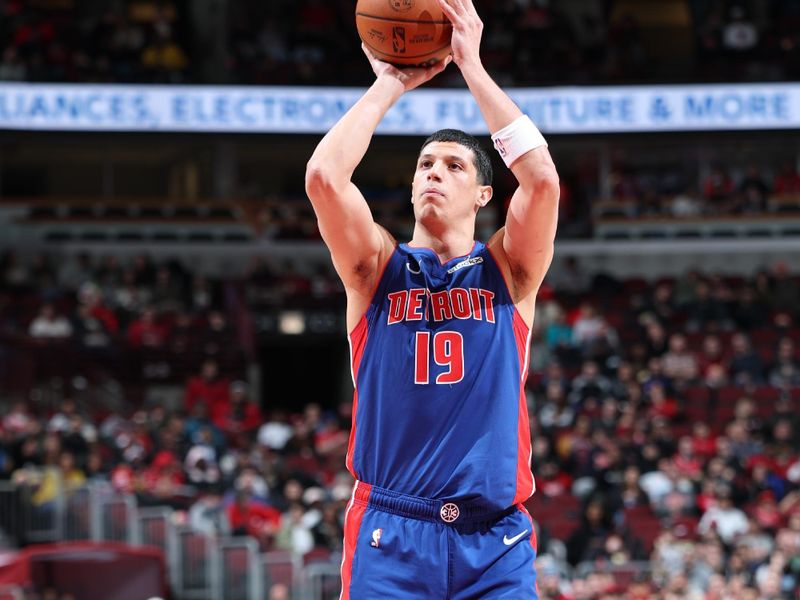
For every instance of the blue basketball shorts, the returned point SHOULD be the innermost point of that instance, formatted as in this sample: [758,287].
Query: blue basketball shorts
[405,547]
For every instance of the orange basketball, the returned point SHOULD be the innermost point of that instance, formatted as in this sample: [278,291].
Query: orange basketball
[404,32]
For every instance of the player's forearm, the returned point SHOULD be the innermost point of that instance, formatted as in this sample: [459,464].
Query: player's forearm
[497,108]
[343,147]
[532,170]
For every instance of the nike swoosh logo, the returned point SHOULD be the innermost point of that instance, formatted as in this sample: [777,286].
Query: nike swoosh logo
[508,541]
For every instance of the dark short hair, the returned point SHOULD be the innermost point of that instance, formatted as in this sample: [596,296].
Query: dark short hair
[481,159]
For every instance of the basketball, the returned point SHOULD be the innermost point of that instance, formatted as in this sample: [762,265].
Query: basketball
[405,33]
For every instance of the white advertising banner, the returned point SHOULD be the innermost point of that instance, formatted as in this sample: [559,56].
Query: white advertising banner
[573,110]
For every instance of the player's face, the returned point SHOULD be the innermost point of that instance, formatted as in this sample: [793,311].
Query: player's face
[446,182]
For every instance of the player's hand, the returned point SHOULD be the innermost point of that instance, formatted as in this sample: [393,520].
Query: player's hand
[467,31]
[411,77]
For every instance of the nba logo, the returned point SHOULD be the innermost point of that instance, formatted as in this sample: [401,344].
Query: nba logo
[401,5]
[376,538]
[399,40]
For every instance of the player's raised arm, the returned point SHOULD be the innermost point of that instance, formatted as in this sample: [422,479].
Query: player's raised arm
[356,242]
[527,241]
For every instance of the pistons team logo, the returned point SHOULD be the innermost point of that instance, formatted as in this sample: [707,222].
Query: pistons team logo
[401,5]
[376,538]
[399,40]
[449,512]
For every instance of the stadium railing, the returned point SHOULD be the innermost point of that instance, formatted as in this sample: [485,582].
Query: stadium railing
[200,565]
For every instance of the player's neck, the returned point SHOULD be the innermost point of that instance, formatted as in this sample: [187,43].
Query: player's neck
[447,244]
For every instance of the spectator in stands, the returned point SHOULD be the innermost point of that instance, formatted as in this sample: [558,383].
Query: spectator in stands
[785,371]
[49,324]
[215,335]
[555,412]
[58,482]
[746,366]
[250,517]
[239,415]
[662,405]
[90,296]
[128,296]
[208,515]
[147,331]
[629,493]
[167,290]
[660,304]
[706,311]
[590,383]
[717,188]
[588,540]
[329,533]
[292,534]
[787,180]
[162,482]
[200,463]
[209,387]
[748,311]
[592,333]
[199,426]
[686,462]
[656,338]
[754,191]
[558,335]
[276,432]
[723,518]
[679,363]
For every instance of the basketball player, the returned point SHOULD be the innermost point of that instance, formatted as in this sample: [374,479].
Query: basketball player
[439,333]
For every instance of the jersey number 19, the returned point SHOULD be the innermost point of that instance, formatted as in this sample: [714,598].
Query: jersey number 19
[448,351]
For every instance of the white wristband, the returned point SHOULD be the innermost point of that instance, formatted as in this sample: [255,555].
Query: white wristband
[517,138]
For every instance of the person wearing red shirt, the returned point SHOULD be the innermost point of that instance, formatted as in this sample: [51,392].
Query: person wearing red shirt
[90,296]
[238,414]
[248,517]
[208,387]
[146,331]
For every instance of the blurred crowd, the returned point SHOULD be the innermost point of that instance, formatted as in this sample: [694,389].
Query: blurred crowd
[525,42]
[132,41]
[725,190]
[666,440]
[539,42]
[663,414]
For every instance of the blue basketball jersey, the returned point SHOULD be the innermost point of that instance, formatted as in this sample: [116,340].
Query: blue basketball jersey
[439,361]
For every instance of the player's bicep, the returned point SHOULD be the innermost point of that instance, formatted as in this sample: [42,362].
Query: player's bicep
[350,232]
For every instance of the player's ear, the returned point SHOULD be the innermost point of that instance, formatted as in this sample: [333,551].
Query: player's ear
[485,195]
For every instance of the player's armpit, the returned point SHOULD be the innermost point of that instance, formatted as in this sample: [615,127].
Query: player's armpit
[345,221]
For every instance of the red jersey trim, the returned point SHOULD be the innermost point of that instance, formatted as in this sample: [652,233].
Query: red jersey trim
[358,342]
[352,526]
[525,484]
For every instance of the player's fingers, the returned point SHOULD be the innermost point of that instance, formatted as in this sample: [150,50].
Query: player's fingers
[465,8]
[461,6]
[449,10]
[442,64]
[367,51]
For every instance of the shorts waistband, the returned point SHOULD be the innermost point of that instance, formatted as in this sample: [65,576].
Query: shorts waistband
[449,512]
